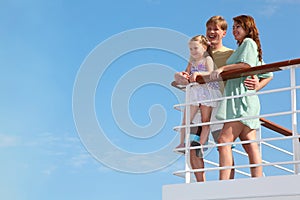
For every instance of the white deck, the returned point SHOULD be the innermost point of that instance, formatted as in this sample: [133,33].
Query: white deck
[265,188]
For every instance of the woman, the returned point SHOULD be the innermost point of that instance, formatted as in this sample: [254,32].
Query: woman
[248,54]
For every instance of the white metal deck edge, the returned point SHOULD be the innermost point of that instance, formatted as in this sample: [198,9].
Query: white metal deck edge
[279,187]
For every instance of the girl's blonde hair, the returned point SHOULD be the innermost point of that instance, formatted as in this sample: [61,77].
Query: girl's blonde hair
[203,41]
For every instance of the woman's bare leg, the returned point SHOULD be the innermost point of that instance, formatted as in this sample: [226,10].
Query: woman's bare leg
[216,136]
[252,150]
[229,133]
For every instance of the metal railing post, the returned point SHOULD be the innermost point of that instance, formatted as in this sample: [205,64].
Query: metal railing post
[258,137]
[188,177]
[296,147]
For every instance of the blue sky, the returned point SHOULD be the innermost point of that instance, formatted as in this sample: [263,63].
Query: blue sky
[45,45]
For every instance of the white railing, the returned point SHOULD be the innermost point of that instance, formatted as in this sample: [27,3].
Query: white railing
[291,150]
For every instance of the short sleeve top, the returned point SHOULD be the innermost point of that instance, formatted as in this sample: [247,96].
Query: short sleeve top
[248,105]
[241,54]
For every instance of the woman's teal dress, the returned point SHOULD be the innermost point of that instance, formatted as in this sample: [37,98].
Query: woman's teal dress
[246,106]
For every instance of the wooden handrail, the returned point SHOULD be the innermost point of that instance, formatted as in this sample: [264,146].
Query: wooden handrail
[272,67]
[275,127]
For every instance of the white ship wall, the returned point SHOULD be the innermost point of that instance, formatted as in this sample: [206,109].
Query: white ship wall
[265,188]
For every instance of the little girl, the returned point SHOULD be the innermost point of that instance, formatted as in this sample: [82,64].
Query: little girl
[200,63]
